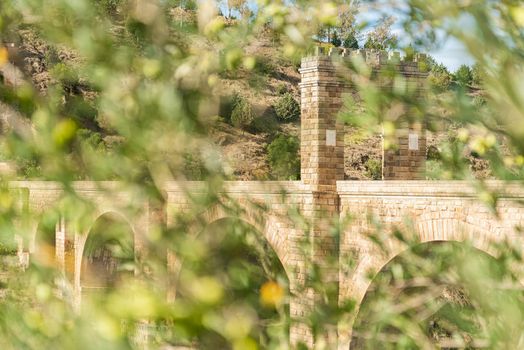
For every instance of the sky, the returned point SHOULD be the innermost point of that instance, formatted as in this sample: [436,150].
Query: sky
[451,52]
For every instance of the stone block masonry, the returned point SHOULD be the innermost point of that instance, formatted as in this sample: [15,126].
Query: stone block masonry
[439,211]
[322,86]
[322,143]
[406,159]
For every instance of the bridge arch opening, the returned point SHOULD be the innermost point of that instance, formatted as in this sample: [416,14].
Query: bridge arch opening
[108,256]
[46,240]
[237,256]
[437,294]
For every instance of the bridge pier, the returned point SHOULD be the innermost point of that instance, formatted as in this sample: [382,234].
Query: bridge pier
[322,165]
[322,154]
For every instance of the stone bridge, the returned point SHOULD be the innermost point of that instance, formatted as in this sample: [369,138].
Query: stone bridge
[430,210]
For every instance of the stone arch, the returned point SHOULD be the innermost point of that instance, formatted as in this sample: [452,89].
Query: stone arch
[268,225]
[265,267]
[426,246]
[81,241]
[426,229]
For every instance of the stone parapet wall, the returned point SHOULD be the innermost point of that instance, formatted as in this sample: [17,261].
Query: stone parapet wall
[427,188]
[247,187]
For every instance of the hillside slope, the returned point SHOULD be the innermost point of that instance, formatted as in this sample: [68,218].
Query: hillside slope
[244,150]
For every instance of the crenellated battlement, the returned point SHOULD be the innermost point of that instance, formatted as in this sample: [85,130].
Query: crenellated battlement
[413,65]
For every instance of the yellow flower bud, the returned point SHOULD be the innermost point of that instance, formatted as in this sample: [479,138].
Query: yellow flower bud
[271,294]
[4,56]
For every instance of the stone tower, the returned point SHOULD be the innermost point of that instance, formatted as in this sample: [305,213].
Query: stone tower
[322,160]
[322,139]
[322,86]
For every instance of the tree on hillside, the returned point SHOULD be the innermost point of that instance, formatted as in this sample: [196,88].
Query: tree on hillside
[335,40]
[463,76]
[237,5]
[324,33]
[347,18]
[346,24]
[185,4]
[381,37]
[350,42]
[347,29]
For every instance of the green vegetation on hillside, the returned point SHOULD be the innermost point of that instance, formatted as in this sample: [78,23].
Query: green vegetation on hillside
[284,157]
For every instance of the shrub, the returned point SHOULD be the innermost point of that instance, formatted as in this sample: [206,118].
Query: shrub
[110,7]
[284,158]
[194,168]
[281,88]
[264,65]
[287,108]
[435,170]
[226,105]
[264,124]
[8,247]
[91,138]
[433,153]
[28,167]
[242,115]
[374,169]
[479,101]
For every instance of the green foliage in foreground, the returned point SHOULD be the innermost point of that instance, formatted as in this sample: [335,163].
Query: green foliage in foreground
[436,285]
[127,93]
